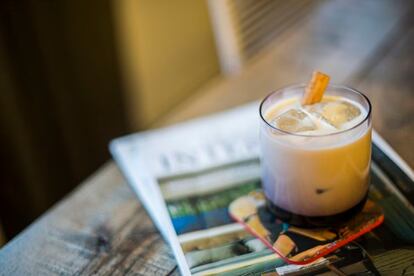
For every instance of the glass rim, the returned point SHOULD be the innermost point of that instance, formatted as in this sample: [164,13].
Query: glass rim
[303,85]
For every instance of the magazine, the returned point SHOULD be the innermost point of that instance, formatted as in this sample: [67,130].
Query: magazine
[186,176]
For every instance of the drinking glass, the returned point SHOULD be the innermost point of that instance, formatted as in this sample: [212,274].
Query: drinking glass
[315,180]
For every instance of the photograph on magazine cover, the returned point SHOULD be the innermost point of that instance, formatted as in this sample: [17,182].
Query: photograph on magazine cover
[213,243]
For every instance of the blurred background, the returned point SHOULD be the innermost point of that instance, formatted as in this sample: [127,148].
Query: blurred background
[75,74]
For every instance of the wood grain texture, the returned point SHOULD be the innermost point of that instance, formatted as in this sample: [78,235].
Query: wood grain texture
[101,229]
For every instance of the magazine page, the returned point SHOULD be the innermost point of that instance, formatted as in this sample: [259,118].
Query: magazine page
[188,174]
[213,244]
[193,146]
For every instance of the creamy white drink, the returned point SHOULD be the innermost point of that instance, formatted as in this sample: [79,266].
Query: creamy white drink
[316,158]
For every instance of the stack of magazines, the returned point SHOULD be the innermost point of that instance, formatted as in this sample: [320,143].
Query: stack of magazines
[186,176]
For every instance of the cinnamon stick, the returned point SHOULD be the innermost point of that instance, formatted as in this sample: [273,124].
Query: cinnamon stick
[315,88]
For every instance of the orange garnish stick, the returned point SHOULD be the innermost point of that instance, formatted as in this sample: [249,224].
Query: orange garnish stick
[315,88]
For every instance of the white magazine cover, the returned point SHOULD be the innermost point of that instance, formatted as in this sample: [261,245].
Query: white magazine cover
[210,160]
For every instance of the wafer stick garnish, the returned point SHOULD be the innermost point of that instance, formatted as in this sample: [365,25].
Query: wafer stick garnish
[315,88]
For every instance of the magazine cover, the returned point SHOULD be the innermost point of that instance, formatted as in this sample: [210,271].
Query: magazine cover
[187,175]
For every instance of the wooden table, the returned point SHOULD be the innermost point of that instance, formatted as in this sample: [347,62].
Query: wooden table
[101,228]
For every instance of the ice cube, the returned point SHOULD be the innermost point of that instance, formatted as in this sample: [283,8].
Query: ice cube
[339,112]
[316,110]
[334,113]
[294,120]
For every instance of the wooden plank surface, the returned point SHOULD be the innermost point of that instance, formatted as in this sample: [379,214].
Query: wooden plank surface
[100,228]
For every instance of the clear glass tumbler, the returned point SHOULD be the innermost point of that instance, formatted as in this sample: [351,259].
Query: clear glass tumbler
[315,180]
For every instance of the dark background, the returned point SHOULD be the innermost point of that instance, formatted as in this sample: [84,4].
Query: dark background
[59,101]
